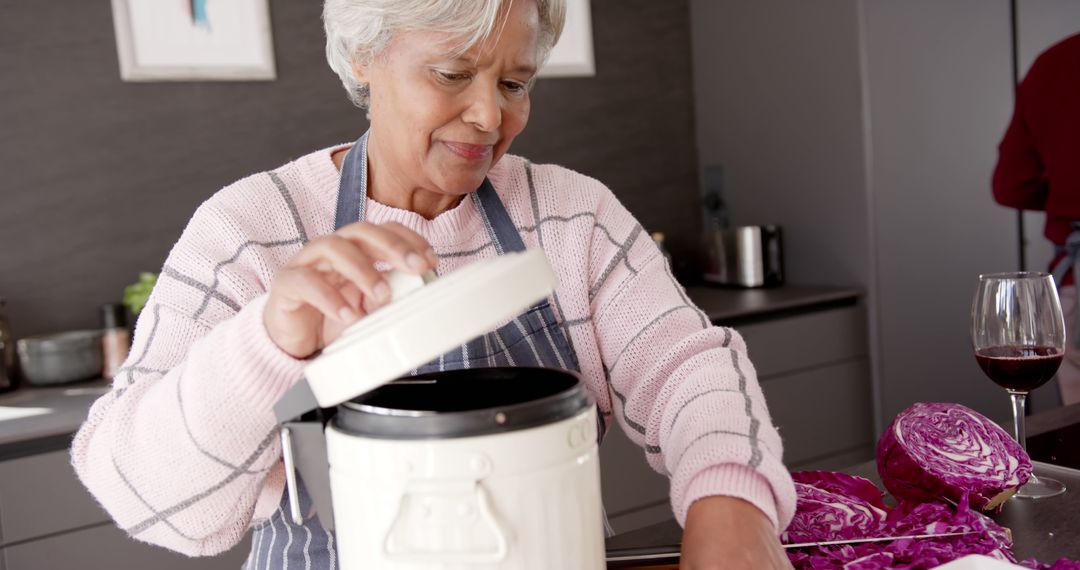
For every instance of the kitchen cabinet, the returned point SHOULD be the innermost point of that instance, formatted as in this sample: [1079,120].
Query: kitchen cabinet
[634,495]
[49,520]
[106,547]
[815,371]
[39,495]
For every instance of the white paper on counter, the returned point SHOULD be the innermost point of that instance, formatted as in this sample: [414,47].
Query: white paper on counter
[977,562]
[13,413]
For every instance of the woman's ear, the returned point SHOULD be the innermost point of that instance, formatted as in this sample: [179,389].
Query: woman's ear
[360,72]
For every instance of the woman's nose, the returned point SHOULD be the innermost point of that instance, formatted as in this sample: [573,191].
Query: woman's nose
[485,107]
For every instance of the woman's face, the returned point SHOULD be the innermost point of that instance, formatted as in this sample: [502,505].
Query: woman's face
[440,123]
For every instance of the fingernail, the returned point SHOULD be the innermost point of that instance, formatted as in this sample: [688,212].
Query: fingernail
[415,261]
[382,291]
[347,315]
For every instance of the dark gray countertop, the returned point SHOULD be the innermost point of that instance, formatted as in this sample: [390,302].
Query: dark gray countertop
[736,306]
[1053,419]
[37,420]
[1047,529]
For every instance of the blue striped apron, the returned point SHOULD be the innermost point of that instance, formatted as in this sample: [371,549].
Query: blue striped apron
[533,338]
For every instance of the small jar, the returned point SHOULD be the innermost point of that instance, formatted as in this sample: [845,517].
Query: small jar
[8,378]
[116,340]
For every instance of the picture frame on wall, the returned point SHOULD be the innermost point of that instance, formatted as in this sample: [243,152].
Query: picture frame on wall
[194,40]
[572,56]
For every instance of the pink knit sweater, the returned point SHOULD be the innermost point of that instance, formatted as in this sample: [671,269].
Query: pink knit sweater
[183,451]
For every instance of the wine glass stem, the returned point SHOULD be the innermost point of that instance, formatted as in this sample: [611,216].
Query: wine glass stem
[1019,401]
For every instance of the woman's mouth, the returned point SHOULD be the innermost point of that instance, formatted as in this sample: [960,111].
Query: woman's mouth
[469,151]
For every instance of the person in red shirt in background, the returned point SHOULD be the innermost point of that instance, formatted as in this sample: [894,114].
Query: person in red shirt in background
[1038,168]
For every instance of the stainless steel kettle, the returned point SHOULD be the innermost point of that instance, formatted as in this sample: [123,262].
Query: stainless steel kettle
[745,256]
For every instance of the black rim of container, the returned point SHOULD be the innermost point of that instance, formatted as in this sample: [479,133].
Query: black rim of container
[463,403]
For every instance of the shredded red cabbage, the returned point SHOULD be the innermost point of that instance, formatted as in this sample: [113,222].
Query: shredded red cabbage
[843,484]
[933,451]
[985,536]
[834,506]
[944,463]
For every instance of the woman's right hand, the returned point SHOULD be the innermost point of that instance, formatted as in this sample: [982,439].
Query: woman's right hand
[332,282]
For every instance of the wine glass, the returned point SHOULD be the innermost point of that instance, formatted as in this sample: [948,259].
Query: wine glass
[1018,333]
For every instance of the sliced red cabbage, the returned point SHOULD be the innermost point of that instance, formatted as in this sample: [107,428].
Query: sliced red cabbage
[939,461]
[935,451]
[851,486]
[833,506]
[987,538]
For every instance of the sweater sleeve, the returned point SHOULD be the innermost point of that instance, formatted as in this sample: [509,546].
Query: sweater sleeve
[1019,176]
[683,389]
[179,450]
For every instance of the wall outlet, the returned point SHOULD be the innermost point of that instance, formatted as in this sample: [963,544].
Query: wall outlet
[714,208]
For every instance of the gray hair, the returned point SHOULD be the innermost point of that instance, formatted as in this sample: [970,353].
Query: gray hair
[357,30]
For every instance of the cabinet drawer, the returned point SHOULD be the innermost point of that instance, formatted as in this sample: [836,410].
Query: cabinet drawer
[627,482]
[106,547]
[823,411]
[803,341]
[40,495]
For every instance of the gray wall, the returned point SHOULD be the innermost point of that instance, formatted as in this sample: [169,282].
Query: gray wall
[869,128]
[101,175]
[779,105]
[938,76]
[777,93]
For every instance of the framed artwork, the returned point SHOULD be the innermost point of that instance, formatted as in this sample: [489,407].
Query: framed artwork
[177,40]
[573,55]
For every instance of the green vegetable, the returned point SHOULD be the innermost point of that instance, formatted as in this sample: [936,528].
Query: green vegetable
[136,294]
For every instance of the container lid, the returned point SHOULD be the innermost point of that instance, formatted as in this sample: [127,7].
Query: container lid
[423,324]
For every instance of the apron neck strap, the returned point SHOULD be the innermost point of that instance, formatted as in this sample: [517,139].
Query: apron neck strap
[353,186]
[501,229]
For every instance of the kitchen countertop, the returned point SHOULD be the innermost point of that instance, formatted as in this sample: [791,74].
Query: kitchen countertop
[1052,420]
[731,306]
[37,420]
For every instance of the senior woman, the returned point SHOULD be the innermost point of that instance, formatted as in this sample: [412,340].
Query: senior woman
[182,451]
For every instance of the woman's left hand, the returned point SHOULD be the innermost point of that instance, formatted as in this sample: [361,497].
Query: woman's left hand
[730,533]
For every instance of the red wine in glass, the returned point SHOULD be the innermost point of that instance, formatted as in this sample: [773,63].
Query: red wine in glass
[1018,336]
[1019,368]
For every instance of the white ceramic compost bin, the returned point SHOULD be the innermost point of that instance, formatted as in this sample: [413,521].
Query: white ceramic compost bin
[490,468]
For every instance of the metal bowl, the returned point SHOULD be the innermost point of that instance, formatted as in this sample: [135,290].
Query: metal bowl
[60,358]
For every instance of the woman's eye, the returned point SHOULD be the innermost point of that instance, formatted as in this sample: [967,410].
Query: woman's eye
[451,76]
[515,87]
